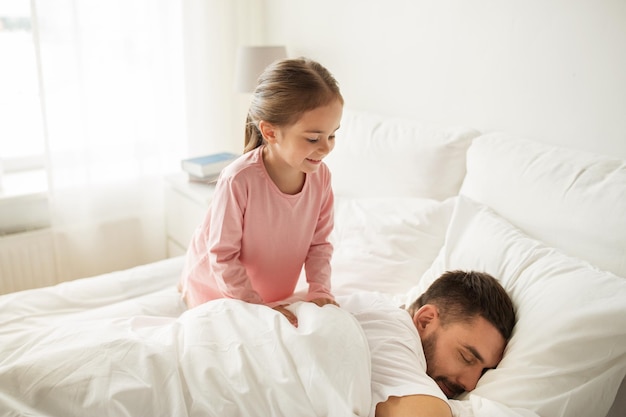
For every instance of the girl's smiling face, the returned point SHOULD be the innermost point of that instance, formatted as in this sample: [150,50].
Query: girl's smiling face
[302,146]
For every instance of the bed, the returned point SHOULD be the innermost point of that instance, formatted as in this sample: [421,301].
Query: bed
[412,200]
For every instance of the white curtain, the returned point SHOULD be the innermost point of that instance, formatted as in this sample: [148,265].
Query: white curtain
[113,90]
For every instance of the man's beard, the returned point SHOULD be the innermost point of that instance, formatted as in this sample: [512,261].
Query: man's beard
[429,345]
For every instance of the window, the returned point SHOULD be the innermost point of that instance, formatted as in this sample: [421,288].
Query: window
[91,105]
[21,130]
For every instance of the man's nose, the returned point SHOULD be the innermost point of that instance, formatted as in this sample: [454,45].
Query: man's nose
[470,377]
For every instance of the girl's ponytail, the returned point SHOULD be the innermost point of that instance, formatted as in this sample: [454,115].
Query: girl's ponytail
[253,137]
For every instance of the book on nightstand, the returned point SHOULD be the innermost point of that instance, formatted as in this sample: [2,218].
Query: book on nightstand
[209,179]
[208,167]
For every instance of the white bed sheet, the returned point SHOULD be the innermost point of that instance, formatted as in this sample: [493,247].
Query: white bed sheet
[102,346]
[124,344]
[136,319]
[144,290]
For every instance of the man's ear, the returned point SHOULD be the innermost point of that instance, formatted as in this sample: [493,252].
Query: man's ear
[427,315]
[268,131]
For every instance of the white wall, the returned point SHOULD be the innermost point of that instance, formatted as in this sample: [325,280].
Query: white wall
[212,31]
[551,70]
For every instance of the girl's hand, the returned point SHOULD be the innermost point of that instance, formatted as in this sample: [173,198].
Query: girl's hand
[321,302]
[290,316]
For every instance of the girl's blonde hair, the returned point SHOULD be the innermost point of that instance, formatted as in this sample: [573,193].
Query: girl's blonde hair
[287,89]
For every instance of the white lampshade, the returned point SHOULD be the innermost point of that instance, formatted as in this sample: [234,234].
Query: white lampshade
[251,61]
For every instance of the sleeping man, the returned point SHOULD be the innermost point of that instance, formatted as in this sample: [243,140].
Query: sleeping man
[463,321]
[232,358]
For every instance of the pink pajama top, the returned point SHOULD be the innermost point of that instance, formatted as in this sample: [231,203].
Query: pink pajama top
[255,239]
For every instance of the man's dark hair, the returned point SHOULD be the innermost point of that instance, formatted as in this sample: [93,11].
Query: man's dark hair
[461,296]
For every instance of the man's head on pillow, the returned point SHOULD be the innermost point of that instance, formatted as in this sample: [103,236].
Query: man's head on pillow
[464,320]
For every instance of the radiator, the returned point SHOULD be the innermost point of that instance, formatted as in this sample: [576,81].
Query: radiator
[28,260]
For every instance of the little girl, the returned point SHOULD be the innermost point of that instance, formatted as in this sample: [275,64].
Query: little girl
[272,211]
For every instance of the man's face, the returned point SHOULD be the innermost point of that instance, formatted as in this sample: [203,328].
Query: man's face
[458,354]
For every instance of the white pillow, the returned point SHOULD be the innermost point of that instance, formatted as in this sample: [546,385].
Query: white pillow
[572,200]
[567,355]
[385,244]
[392,157]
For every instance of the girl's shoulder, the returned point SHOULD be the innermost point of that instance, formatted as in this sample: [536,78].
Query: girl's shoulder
[248,163]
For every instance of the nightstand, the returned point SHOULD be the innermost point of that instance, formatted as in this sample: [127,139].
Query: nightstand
[186,204]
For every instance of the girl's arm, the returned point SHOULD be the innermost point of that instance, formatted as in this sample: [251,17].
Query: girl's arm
[224,243]
[317,264]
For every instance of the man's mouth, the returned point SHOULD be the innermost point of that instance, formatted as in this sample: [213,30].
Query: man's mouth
[445,389]
[449,389]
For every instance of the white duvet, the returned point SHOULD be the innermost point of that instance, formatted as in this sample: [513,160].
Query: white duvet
[123,344]
[225,358]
